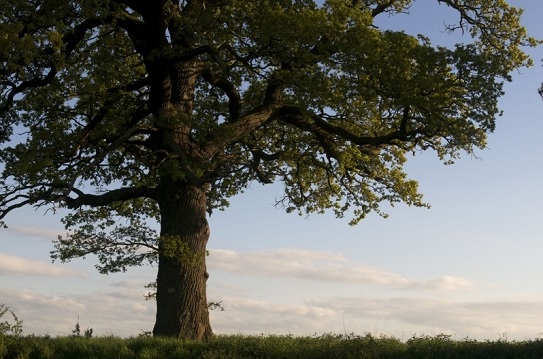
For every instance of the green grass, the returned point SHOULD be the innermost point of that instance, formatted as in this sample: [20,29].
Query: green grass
[285,347]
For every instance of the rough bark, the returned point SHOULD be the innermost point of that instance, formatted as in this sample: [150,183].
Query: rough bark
[182,310]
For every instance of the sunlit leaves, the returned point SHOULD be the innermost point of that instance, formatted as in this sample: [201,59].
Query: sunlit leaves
[496,27]
[97,95]
[120,235]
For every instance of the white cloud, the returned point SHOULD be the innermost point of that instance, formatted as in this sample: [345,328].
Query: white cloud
[19,266]
[476,319]
[321,266]
[401,317]
[119,309]
[116,306]
[35,232]
[122,313]
[249,316]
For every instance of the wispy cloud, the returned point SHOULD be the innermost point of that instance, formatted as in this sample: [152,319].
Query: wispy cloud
[117,306]
[19,266]
[121,310]
[477,319]
[43,233]
[123,313]
[322,266]
[401,317]
[250,316]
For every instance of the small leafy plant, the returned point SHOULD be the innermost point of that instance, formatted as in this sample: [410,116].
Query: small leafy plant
[77,331]
[10,327]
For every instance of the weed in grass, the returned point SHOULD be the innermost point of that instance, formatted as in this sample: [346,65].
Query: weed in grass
[13,326]
[77,331]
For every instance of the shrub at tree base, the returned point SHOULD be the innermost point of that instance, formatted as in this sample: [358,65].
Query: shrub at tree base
[285,347]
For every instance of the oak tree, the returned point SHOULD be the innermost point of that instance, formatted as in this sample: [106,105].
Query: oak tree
[126,111]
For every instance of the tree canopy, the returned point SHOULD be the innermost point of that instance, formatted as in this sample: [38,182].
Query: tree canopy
[128,110]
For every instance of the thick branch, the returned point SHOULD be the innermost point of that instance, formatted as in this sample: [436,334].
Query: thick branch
[234,99]
[142,7]
[382,8]
[74,37]
[70,40]
[5,211]
[136,30]
[229,133]
[120,194]
[37,194]
[17,89]
[323,129]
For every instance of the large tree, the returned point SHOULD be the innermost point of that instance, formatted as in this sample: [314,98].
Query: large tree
[126,111]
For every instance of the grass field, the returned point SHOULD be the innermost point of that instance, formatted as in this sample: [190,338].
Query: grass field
[285,347]
[81,345]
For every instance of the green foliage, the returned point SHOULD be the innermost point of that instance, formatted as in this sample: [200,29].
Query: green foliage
[87,333]
[175,247]
[120,235]
[326,346]
[313,96]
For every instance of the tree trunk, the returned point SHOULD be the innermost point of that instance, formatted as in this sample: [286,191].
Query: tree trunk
[182,309]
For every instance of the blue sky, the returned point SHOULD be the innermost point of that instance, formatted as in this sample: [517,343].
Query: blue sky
[470,266]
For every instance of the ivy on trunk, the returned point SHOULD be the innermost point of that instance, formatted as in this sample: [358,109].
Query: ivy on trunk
[182,307]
